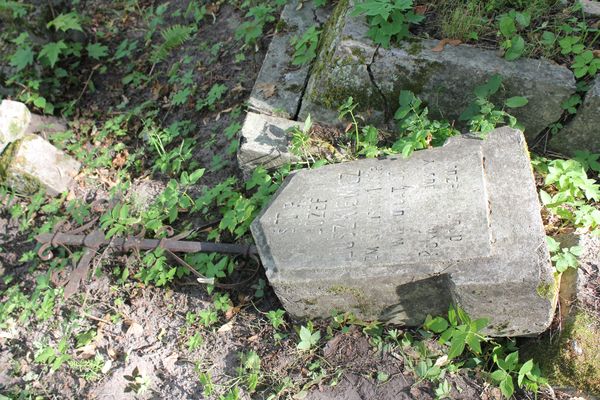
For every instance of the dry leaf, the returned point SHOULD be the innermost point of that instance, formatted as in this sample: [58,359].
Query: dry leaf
[135,329]
[88,351]
[231,312]
[226,327]
[253,338]
[421,10]
[106,366]
[440,46]
[348,127]
[120,160]
[169,362]
[267,89]
[596,53]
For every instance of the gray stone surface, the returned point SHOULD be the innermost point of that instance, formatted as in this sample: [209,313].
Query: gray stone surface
[264,142]
[350,64]
[590,7]
[279,86]
[397,239]
[31,163]
[583,132]
[46,125]
[14,120]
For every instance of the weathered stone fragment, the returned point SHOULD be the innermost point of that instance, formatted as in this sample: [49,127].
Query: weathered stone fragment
[32,163]
[279,87]
[583,132]
[14,120]
[397,239]
[264,142]
[46,125]
[590,7]
[350,64]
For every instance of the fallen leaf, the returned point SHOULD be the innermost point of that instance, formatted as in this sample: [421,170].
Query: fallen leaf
[135,329]
[440,46]
[86,352]
[596,53]
[267,89]
[421,10]
[106,366]
[231,312]
[120,160]
[253,338]
[226,327]
[169,362]
[348,127]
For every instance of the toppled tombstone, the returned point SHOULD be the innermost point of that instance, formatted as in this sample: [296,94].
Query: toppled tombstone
[32,163]
[396,239]
[351,64]
[46,125]
[14,121]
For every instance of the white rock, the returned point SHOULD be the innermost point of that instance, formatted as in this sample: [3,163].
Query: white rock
[14,120]
[32,162]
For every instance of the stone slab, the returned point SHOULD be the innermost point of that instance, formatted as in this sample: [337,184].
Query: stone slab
[397,239]
[350,64]
[46,125]
[279,86]
[14,120]
[32,163]
[264,142]
[582,133]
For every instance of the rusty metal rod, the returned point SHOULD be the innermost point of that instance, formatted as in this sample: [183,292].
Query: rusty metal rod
[131,242]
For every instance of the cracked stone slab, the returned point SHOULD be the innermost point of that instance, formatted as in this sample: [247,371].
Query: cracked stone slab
[32,163]
[582,132]
[279,86]
[15,118]
[350,64]
[264,142]
[396,239]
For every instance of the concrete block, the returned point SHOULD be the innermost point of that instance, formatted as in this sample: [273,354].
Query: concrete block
[350,64]
[264,142]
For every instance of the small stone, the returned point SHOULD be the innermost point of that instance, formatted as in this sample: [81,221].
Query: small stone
[32,163]
[264,142]
[14,120]
[590,7]
[397,239]
[582,132]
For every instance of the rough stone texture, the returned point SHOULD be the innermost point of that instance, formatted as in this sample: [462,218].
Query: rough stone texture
[582,132]
[45,125]
[396,239]
[350,64]
[14,120]
[264,142]
[279,87]
[32,162]
[590,7]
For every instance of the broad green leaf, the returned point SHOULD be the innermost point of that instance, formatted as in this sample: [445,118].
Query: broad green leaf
[506,386]
[457,345]
[498,375]
[525,369]
[516,49]
[489,88]
[96,50]
[22,58]
[516,102]
[64,22]
[437,325]
[51,51]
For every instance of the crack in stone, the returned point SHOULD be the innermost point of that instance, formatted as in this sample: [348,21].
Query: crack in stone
[386,111]
[310,68]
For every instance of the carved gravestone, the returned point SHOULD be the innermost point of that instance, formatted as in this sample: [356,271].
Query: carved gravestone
[397,239]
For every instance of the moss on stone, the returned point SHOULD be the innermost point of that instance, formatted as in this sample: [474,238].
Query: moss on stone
[572,359]
[357,294]
[549,290]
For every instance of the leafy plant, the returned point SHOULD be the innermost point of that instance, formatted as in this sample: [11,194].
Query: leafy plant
[250,31]
[510,24]
[173,37]
[305,46]
[563,258]
[389,20]
[309,338]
